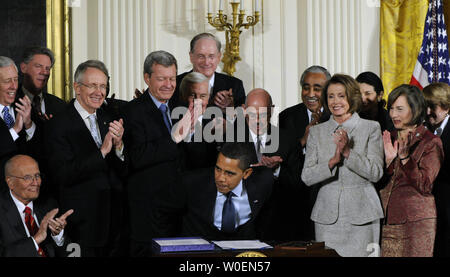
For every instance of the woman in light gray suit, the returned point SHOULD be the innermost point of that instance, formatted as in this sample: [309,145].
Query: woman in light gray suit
[345,157]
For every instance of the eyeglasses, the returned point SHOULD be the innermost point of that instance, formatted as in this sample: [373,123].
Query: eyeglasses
[29,178]
[94,86]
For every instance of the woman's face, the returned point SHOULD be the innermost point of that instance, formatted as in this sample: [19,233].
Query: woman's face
[199,94]
[401,113]
[369,95]
[337,100]
[436,114]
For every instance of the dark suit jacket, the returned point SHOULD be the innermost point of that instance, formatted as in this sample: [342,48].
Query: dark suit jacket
[154,162]
[194,199]
[14,241]
[298,200]
[9,147]
[53,106]
[221,82]
[88,183]
[441,192]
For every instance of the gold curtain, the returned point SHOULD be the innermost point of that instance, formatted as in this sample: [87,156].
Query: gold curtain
[401,34]
[58,40]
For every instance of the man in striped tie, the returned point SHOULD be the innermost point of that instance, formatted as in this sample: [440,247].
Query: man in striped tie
[16,127]
[28,227]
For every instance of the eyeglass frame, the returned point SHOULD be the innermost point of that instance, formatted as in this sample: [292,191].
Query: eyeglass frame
[94,86]
[29,178]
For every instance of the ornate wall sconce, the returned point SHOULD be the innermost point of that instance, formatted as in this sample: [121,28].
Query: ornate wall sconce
[232,30]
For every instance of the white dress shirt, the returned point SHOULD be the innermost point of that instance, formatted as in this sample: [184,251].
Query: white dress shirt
[58,239]
[85,116]
[241,206]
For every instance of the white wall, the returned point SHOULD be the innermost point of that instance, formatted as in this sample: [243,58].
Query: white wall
[342,35]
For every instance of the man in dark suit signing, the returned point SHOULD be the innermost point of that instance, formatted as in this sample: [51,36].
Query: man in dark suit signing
[85,151]
[205,53]
[297,120]
[221,203]
[25,220]
[153,158]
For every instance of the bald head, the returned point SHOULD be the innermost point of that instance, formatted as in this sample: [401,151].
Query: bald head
[258,111]
[258,97]
[23,178]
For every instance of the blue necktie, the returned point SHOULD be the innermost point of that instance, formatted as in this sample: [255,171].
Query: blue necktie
[94,131]
[163,109]
[7,117]
[228,214]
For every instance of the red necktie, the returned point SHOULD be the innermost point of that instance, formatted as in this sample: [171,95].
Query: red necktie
[32,227]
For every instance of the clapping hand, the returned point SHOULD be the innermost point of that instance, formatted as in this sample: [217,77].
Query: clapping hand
[390,150]
[58,224]
[224,99]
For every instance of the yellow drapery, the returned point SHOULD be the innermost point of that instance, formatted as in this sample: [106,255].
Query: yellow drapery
[401,34]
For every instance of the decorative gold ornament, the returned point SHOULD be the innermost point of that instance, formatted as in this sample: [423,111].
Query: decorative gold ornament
[232,32]
[251,254]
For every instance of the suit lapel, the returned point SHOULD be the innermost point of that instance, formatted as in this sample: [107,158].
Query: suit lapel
[253,197]
[103,122]
[211,196]
[78,124]
[13,216]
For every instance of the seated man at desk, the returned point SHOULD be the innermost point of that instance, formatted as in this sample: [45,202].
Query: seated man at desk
[221,203]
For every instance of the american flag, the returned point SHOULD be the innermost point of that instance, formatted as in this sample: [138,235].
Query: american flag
[433,63]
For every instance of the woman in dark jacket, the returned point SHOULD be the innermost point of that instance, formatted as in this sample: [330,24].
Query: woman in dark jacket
[413,157]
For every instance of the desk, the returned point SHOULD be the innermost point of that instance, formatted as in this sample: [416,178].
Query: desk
[274,252]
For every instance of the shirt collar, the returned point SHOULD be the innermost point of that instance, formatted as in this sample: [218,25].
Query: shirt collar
[310,113]
[83,113]
[20,206]
[238,190]
[157,103]
[444,123]
[211,81]
[29,94]
[255,138]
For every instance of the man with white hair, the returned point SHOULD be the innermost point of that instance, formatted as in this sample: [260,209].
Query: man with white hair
[16,127]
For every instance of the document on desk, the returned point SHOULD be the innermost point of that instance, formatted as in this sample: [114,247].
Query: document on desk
[181,244]
[242,244]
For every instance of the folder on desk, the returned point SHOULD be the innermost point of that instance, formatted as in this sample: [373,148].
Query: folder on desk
[162,245]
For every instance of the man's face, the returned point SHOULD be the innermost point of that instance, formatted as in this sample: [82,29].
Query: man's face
[199,94]
[228,175]
[205,57]
[258,114]
[8,84]
[91,92]
[162,82]
[36,72]
[312,90]
[25,191]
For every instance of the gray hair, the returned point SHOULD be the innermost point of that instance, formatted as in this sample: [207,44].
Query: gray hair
[37,50]
[205,35]
[79,72]
[5,61]
[315,69]
[159,57]
[188,80]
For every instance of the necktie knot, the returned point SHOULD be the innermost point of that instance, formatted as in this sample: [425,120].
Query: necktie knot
[27,211]
[163,108]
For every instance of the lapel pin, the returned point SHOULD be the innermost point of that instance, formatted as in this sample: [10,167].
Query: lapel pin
[255,202]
